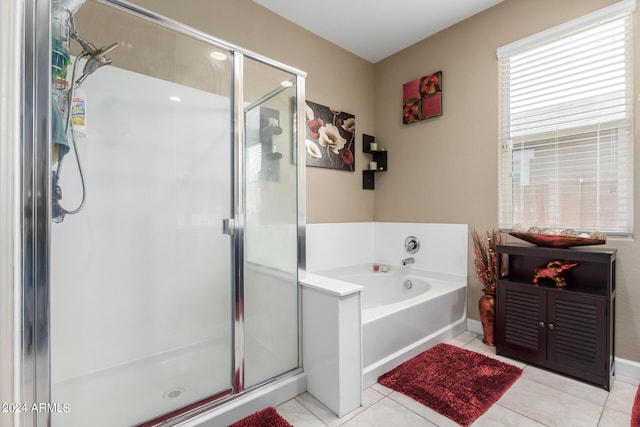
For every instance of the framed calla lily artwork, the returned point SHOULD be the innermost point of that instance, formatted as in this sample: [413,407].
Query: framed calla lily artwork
[330,137]
[422,98]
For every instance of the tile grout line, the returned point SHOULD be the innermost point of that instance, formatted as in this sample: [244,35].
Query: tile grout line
[380,396]
[516,412]
[565,391]
[603,405]
[411,410]
[306,409]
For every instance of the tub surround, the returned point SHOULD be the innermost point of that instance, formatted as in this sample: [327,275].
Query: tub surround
[338,245]
[390,334]
[331,325]
[443,247]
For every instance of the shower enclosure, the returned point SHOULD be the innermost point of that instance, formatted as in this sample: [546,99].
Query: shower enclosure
[153,226]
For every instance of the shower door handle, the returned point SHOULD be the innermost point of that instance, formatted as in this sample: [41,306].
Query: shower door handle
[228,226]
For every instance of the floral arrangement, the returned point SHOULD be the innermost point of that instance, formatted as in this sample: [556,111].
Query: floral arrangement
[486,258]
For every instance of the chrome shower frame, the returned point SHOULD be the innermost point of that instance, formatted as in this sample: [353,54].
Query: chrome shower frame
[25,61]
[25,205]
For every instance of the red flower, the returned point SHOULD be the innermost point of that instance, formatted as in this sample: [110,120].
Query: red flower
[347,157]
[314,125]
[410,112]
[430,85]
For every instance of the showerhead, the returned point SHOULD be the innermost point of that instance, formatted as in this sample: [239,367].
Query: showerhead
[96,56]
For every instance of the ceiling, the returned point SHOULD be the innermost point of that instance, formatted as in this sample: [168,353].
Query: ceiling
[374,30]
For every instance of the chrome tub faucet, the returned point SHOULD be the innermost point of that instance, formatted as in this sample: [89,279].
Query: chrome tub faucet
[409,260]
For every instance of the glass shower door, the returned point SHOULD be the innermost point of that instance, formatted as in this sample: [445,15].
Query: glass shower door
[270,233]
[141,321]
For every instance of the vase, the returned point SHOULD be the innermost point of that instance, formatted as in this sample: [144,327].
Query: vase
[487,308]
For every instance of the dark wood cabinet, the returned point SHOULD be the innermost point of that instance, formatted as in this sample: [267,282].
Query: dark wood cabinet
[569,330]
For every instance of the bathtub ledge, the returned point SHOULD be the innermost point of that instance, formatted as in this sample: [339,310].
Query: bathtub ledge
[394,270]
[328,285]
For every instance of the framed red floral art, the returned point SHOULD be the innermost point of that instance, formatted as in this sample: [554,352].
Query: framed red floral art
[422,98]
[330,137]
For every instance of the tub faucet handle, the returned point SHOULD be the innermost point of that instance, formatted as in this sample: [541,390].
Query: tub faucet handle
[412,244]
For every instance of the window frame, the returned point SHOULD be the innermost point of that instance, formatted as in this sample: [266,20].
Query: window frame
[507,159]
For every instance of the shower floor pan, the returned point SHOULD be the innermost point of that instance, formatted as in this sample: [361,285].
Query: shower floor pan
[144,389]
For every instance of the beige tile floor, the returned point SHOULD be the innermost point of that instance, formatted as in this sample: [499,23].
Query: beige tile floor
[538,398]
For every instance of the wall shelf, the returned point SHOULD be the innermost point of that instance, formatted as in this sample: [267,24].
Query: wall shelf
[379,156]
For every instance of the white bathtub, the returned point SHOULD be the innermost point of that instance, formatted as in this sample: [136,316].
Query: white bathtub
[399,322]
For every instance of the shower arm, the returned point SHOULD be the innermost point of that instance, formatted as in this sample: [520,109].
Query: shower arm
[97,56]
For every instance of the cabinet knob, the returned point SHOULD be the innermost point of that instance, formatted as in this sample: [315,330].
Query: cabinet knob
[541,324]
[551,326]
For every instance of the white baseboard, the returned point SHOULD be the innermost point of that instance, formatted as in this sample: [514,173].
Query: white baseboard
[627,368]
[624,367]
[474,326]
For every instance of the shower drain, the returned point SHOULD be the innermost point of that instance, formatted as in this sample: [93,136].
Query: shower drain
[173,393]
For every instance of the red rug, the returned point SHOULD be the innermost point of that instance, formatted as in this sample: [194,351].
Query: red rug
[457,383]
[268,417]
[635,412]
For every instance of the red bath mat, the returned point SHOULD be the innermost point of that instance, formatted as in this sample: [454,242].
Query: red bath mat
[457,383]
[268,417]
[635,411]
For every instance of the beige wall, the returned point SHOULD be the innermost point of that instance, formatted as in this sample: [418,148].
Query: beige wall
[440,170]
[446,169]
[336,78]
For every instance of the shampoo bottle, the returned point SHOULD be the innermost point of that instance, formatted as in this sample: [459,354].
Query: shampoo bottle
[79,113]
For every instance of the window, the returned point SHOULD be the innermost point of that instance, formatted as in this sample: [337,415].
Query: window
[566,142]
[254,162]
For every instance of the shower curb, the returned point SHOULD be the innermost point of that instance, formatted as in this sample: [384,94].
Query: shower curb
[270,395]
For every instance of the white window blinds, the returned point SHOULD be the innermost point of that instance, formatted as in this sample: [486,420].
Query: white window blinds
[566,151]
[254,162]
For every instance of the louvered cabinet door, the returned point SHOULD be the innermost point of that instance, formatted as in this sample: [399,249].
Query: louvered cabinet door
[521,322]
[577,335]
[569,330]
